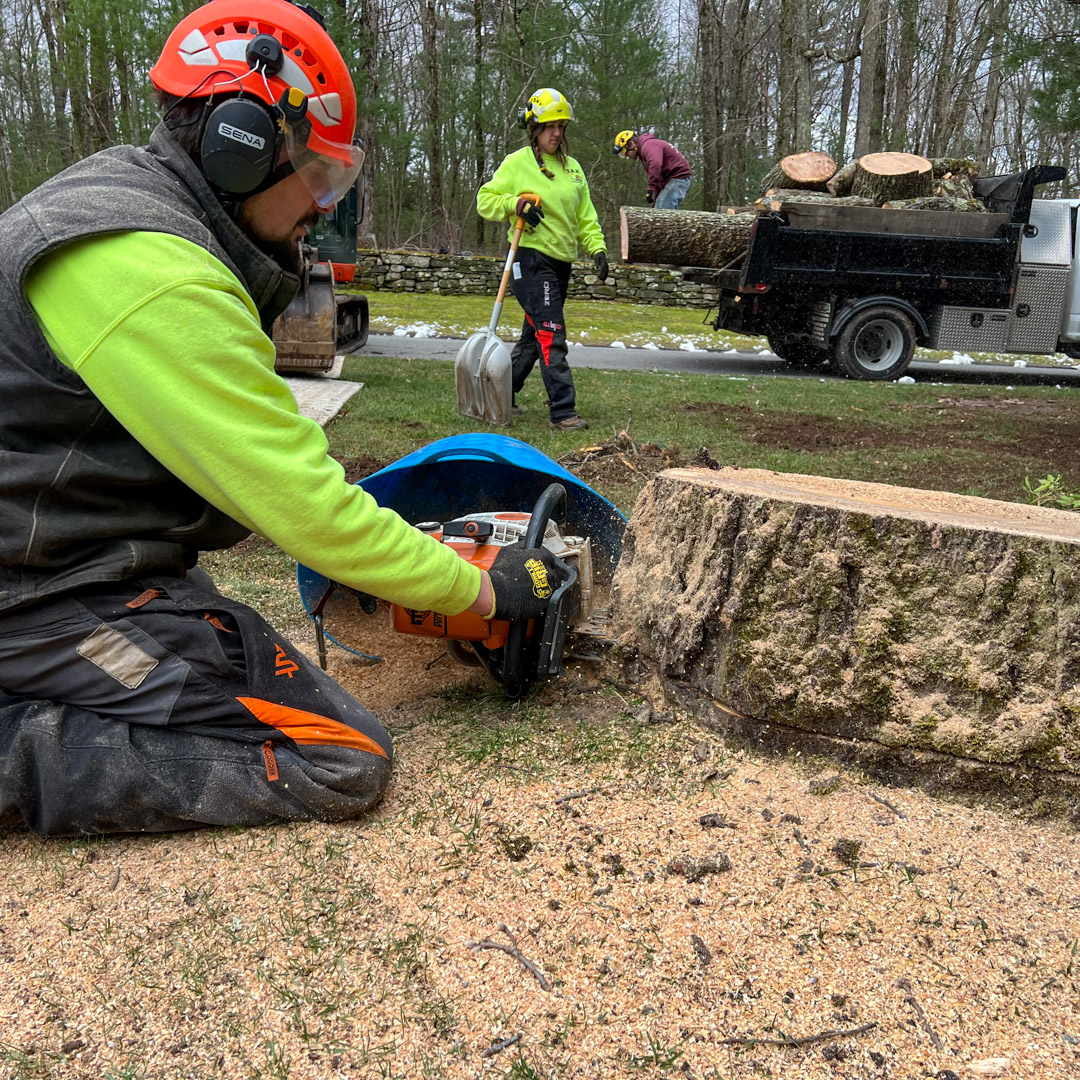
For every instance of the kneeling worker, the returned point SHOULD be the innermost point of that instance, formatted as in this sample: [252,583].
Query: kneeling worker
[141,422]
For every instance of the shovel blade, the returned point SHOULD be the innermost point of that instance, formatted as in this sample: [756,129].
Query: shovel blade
[467,375]
[496,382]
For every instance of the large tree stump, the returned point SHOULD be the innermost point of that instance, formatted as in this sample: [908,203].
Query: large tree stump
[890,175]
[683,237]
[918,634]
[810,170]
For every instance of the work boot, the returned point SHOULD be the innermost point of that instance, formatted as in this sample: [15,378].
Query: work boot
[573,422]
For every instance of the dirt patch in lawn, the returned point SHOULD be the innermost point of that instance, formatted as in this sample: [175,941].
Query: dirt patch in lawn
[1057,434]
[586,884]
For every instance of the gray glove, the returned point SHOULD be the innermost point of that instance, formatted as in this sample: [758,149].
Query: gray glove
[522,580]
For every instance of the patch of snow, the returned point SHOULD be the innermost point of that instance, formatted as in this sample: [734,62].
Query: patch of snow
[1009,388]
[907,380]
[650,345]
[663,329]
[618,345]
[740,378]
[576,344]
[957,358]
[417,329]
[1019,363]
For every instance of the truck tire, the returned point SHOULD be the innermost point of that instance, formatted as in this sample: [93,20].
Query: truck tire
[799,352]
[876,343]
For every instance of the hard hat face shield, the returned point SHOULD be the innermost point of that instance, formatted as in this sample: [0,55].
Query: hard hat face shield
[328,169]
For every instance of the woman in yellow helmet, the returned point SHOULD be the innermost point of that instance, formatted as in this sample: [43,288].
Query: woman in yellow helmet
[564,220]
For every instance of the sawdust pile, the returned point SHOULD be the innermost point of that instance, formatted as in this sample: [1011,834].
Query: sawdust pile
[584,885]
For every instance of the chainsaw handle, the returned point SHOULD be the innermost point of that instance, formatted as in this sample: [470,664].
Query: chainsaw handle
[514,679]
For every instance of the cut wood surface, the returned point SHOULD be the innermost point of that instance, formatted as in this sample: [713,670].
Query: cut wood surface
[905,629]
[893,175]
[811,170]
[683,237]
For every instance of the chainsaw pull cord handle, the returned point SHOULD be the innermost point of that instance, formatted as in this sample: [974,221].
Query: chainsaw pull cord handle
[519,228]
[514,650]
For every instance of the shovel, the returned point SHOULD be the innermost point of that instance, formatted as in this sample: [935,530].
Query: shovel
[483,366]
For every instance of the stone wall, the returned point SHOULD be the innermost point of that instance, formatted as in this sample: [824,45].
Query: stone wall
[416,271]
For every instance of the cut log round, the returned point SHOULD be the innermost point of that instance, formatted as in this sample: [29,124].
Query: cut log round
[893,176]
[810,170]
[683,237]
[911,632]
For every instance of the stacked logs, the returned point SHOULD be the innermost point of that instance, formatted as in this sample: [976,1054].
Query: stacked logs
[891,180]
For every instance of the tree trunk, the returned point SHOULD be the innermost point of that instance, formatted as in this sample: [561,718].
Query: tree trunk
[953,203]
[708,84]
[810,170]
[683,237]
[905,68]
[479,162]
[369,62]
[778,199]
[890,176]
[943,80]
[429,28]
[999,18]
[919,628]
[869,118]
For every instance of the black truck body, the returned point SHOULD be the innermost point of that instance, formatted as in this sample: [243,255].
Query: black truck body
[862,286]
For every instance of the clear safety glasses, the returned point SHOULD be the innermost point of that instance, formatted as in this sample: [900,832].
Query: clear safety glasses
[328,169]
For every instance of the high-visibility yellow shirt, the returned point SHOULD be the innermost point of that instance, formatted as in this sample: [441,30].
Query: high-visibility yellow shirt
[569,215]
[166,337]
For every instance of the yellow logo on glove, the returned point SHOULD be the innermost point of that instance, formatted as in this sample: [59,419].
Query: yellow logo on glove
[538,572]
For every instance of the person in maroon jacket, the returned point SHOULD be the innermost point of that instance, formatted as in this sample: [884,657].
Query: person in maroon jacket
[667,170]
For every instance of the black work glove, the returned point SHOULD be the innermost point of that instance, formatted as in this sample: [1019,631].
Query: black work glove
[650,198]
[529,212]
[523,580]
[600,262]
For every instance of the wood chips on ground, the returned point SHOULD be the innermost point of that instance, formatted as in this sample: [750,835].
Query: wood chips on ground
[675,894]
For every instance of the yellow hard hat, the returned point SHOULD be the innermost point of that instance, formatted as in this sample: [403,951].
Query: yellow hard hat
[546,106]
[622,140]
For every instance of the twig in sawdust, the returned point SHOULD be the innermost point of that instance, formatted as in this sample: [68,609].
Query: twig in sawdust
[514,951]
[910,999]
[820,1037]
[500,1046]
[885,802]
[629,464]
[575,795]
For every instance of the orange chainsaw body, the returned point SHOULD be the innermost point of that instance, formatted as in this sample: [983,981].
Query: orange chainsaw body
[468,626]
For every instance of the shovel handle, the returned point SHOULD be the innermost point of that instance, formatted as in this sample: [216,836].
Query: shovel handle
[519,228]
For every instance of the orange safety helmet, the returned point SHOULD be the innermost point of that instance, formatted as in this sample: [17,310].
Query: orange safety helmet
[279,53]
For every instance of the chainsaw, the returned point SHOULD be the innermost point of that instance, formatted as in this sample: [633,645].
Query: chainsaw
[517,654]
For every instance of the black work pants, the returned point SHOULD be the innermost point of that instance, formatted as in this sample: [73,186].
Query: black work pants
[159,704]
[539,283]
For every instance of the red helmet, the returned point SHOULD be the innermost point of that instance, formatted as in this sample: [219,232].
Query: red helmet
[211,52]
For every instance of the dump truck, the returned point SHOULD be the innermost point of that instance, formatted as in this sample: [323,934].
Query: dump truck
[861,287]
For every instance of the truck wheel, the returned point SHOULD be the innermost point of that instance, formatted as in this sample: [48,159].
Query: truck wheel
[877,343]
[797,351]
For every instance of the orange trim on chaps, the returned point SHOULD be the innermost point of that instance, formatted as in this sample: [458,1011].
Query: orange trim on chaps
[308,728]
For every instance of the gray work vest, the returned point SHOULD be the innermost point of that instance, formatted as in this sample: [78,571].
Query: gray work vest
[80,500]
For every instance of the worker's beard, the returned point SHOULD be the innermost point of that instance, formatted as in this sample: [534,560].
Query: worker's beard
[285,253]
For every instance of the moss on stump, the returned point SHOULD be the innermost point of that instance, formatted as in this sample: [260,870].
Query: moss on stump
[921,635]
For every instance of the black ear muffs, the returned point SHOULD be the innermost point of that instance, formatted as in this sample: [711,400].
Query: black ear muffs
[239,145]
